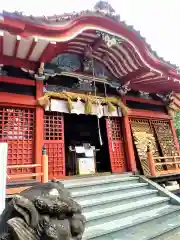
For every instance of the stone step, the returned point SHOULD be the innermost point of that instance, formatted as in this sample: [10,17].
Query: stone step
[96,178]
[104,192]
[169,230]
[121,211]
[101,231]
[89,184]
[99,203]
[161,228]
[104,189]
[169,234]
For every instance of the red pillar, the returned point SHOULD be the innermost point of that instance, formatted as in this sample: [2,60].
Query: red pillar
[129,145]
[174,134]
[39,127]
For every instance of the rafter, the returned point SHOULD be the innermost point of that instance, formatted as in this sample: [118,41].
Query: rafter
[18,39]
[95,45]
[33,44]
[133,75]
[1,42]
[48,52]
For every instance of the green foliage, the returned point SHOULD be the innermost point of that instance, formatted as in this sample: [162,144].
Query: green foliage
[177,124]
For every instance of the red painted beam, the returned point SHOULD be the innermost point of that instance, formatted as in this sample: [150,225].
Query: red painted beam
[150,80]
[155,88]
[20,63]
[21,81]
[16,46]
[142,100]
[58,49]
[1,43]
[33,44]
[147,114]
[10,99]
[133,75]
[48,52]
[97,44]
[12,25]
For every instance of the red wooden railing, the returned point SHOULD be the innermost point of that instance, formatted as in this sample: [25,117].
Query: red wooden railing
[43,173]
[171,163]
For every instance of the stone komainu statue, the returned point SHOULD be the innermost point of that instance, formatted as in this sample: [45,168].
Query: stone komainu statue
[45,211]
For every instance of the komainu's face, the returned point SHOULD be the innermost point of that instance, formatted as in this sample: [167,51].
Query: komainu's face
[45,211]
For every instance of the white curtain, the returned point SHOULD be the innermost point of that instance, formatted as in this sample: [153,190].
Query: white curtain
[79,108]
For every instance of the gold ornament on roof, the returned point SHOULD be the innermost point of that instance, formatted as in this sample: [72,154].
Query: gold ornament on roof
[109,39]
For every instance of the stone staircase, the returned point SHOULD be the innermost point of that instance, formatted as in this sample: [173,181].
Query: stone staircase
[126,207]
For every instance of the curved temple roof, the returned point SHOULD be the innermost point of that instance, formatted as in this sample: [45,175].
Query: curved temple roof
[25,41]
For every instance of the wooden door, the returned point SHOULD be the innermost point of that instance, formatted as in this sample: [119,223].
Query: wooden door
[116,145]
[54,144]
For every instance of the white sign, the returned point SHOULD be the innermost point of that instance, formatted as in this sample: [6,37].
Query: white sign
[79,149]
[86,166]
[3,174]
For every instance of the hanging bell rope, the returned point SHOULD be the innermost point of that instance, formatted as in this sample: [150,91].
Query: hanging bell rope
[109,120]
[97,103]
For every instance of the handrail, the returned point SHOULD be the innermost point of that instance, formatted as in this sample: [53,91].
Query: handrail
[43,173]
[24,166]
[165,157]
[165,163]
[152,163]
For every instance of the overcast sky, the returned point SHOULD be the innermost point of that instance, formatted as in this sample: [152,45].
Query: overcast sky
[158,20]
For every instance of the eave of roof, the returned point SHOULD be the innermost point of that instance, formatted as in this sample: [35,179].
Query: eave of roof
[57,20]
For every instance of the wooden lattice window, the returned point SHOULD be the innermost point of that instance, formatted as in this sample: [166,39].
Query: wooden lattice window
[53,126]
[17,129]
[116,145]
[116,131]
[165,139]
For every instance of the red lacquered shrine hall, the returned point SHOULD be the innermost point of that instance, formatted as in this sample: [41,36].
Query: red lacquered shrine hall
[79,83]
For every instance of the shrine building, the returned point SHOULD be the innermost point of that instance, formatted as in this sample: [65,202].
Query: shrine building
[90,91]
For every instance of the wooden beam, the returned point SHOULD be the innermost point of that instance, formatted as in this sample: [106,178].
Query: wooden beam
[142,100]
[48,52]
[39,129]
[20,63]
[148,114]
[53,51]
[33,44]
[97,44]
[1,42]
[131,162]
[27,82]
[133,75]
[11,99]
[155,88]
[16,46]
